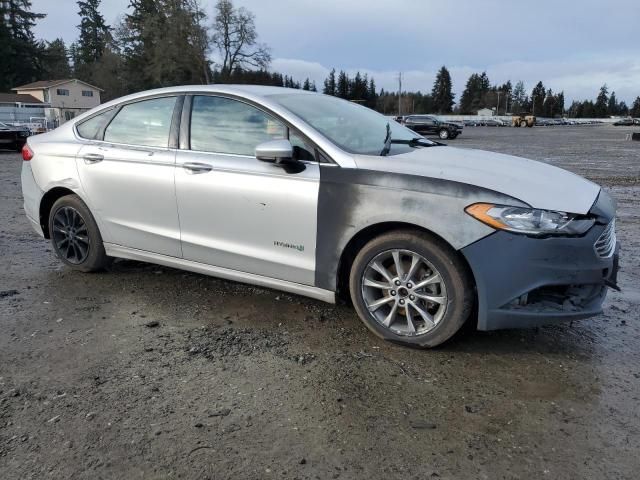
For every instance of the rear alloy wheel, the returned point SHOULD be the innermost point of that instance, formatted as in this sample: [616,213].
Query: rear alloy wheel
[410,288]
[443,134]
[75,235]
[523,124]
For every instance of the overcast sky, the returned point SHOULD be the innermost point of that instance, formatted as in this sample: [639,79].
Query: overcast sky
[571,45]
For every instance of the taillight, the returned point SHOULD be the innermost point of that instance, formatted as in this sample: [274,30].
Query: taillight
[27,153]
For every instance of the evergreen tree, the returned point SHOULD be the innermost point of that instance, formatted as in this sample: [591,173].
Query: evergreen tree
[505,98]
[441,92]
[474,95]
[623,109]
[538,95]
[469,93]
[20,54]
[635,108]
[137,41]
[55,60]
[560,103]
[549,106]
[330,83]
[307,84]
[372,95]
[519,98]
[342,87]
[358,88]
[602,102]
[313,86]
[94,32]
[372,88]
[612,105]
[164,43]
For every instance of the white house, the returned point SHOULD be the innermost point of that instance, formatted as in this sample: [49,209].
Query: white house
[486,112]
[66,98]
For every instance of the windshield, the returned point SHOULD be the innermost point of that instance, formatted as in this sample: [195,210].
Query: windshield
[352,127]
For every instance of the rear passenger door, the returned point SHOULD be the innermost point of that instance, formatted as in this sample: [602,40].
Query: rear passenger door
[238,212]
[127,171]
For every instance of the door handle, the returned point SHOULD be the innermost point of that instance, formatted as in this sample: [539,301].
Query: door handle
[195,167]
[92,158]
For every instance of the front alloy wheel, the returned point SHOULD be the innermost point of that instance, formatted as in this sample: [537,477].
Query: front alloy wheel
[404,292]
[443,134]
[410,287]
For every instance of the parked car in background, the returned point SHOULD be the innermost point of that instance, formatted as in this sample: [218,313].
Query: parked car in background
[494,122]
[624,122]
[318,196]
[430,125]
[13,138]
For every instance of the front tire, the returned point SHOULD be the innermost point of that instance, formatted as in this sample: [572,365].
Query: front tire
[75,236]
[443,134]
[411,288]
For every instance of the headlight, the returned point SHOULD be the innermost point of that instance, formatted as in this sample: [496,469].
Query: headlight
[530,221]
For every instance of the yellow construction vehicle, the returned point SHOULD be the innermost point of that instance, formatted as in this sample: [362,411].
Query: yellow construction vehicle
[523,120]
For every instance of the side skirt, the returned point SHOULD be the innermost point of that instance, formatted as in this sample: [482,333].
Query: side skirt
[119,251]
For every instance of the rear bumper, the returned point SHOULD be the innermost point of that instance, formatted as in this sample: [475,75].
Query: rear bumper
[524,282]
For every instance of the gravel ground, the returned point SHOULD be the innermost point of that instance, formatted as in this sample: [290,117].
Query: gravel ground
[149,372]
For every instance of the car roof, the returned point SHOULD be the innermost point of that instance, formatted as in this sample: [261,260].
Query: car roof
[252,90]
[259,93]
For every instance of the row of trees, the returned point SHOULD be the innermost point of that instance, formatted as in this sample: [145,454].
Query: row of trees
[360,88]
[157,43]
[170,42]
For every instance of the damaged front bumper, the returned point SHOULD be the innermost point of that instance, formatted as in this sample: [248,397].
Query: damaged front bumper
[523,281]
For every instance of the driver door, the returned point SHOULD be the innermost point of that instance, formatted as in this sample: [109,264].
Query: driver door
[238,212]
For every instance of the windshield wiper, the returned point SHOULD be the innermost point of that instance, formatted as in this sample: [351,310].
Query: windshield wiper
[416,142]
[387,142]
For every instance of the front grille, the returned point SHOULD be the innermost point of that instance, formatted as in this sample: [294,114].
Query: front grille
[606,243]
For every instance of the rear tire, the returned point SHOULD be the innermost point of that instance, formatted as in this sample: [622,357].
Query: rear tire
[443,134]
[75,235]
[421,306]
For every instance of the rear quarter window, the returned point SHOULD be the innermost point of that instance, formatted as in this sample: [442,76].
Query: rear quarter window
[90,129]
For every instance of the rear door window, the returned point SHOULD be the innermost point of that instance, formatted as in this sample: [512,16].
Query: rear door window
[145,123]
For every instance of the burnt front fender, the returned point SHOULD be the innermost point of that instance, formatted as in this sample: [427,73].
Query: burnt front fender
[351,200]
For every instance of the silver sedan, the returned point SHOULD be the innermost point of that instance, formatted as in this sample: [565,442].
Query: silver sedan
[322,197]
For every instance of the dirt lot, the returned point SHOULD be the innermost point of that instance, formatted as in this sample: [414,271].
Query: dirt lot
[149,372]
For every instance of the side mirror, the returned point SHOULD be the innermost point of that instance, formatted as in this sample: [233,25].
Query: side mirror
[275,151]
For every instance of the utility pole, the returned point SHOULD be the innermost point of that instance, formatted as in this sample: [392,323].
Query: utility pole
[399,94]
[498,107]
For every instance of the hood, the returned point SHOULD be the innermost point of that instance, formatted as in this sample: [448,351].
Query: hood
[537,184]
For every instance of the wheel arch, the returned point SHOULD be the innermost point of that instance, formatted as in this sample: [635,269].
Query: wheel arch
[363,236]
[46,203]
